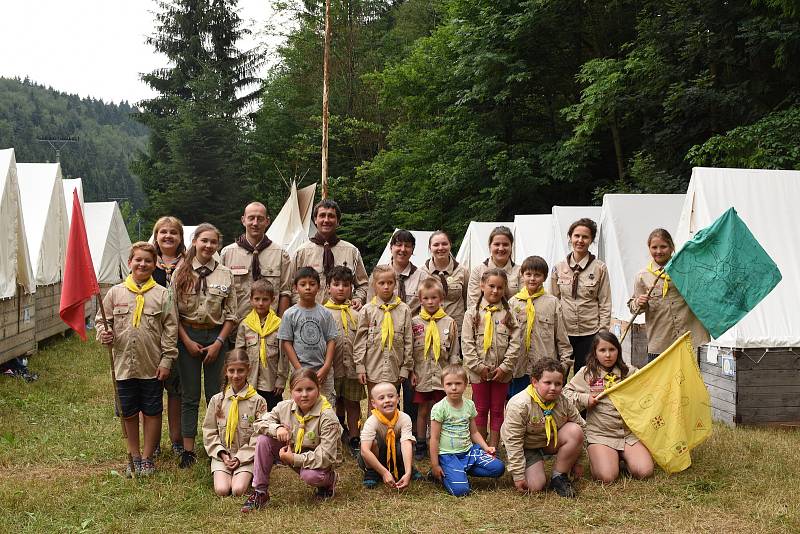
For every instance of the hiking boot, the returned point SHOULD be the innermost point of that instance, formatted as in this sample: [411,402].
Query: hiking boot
[355,447]
[177,448]
[137,468]
[188,459]
[370,483]
[420,450]
[255,501]
[330,491]
[148,467]
[562,486]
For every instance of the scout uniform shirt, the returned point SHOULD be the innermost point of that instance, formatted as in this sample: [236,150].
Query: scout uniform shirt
[667,317]
[215,306]
[523,428]
[139,352]
[427,369]
[380,363]
[474,291]
[322,444]
[343,365]
[276,266]
[604,424]
[410,278]
[548,337]
[275,374]
[590,310]
[344,253]
[454,280]
[505,349]
[244,440]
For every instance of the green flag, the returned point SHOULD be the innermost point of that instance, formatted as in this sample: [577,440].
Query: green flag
[723,272]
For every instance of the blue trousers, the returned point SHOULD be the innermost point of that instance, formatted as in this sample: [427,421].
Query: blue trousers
[519,384]
[473,462]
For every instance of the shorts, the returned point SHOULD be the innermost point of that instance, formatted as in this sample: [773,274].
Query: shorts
[533,456]
[434,396]
[140,395]
[350,389]
[172,385]
[219,465]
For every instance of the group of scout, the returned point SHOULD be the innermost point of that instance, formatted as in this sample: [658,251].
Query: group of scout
[428,331]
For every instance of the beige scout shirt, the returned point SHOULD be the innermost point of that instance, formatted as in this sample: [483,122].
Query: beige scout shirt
[426,368]
[410,278]
[244,441]
[139,352]
[343,365]
[604,424]
[523,428]
[373,428]
[370,356]
[548,337]
[474,291]
[591,310]
[322,444]
[667,318]
[344,253]
[217,304]
[456,297]
[505,349]
[276,266]
[275,374]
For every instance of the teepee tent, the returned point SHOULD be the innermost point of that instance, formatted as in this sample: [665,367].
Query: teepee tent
[292,225]
[475,245]
[421,251]
[109,243]
[563,217]
[533,236]
[70,185]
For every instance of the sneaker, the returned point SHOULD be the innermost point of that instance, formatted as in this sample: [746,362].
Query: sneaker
[416,476]
[148,467]
[188,459]
[177,448]
[420,450]
[330,491]
[370,483]
[137,468]
[255,501]
[355,447]
[562,486]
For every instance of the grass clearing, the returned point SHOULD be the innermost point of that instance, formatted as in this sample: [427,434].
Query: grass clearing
[61,453]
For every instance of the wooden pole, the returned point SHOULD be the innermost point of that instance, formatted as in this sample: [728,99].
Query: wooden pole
[635,315]
[326,75]
[117,407]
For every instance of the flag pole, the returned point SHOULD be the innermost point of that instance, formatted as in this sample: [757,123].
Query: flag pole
[326,75]
[635,315]
[117,407]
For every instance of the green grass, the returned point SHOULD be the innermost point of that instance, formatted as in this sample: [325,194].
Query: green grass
[61,451]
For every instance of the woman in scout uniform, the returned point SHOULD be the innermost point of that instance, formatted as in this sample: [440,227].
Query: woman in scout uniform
[501,242]
[206,303]
[609,438]
[450,273]
[581,282]
[666,314]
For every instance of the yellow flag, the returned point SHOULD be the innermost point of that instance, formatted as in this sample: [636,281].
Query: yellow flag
[667,406]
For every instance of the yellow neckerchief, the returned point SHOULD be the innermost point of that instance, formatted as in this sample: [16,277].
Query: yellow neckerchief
[609,380]
[547,410]
[303,419]
[432,338]
[659,273]
[233,412]
[133,288]
[488,326]
[530,311]
[391,446]
[271,323]
[387,326]
[344,309]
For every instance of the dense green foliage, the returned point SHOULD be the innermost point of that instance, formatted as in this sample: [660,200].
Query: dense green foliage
[107,137]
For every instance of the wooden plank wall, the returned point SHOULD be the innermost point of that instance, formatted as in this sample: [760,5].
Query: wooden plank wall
[48,322]
[721,388]
[17,326]
[634,348]
[768,391]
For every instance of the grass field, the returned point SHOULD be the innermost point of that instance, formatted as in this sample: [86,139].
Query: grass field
[61,453]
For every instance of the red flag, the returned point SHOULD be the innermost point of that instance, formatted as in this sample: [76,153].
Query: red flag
[79,283]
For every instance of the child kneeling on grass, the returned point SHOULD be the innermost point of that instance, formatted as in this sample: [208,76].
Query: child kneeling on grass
[228,427]
[303,432]
[142,331]
[387,441]
[539,421]
[457,448]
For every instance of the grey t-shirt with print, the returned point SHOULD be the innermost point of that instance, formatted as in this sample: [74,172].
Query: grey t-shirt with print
[309,330]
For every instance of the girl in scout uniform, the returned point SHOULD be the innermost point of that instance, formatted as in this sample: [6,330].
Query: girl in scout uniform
[228,434]
[304,433]
[490,342]
[501,242]
[451,274]
[666,314]
[609,438]
[581,282]
[206,304]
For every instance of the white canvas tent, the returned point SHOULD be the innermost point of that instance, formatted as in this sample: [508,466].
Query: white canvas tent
[421,250]
[46,226]
[475,245]
[70,185]
[625,223]
[766,201]
[292,226]
[109,243]
[563,216]
[15,265]
[533,236]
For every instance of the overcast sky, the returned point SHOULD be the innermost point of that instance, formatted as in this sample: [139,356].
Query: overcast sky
[93,47]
